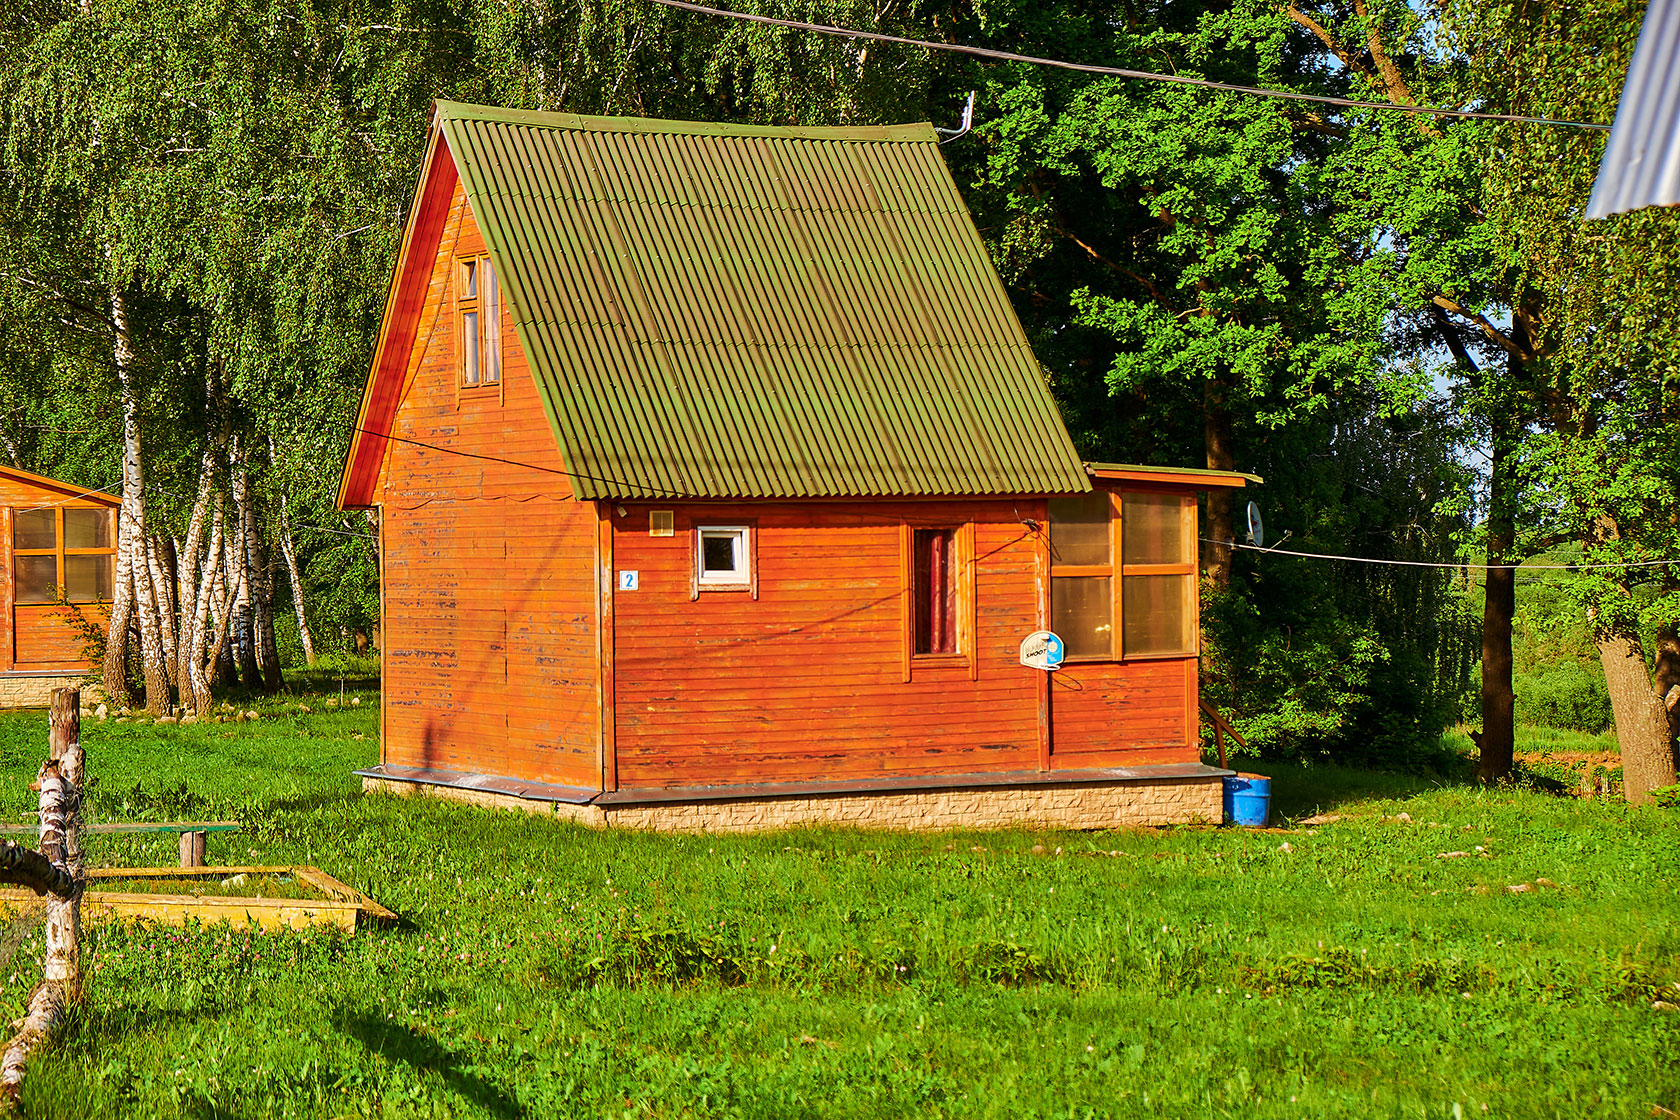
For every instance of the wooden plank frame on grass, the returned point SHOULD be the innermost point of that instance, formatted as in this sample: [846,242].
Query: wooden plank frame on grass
[340,904]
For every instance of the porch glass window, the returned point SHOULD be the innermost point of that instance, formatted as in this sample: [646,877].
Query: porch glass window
[55,548]
[1123,575]
[1082,575]
[1158,584]
[935,590]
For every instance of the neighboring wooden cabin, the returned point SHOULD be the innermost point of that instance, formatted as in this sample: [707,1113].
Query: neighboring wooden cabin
[58,536]
[719,488]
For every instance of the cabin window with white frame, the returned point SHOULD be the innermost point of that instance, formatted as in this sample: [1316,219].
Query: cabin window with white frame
[59,550]
[478,322]
[723,557]
[1123,575]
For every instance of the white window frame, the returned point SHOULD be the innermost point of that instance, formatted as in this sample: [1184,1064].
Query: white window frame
[738,579]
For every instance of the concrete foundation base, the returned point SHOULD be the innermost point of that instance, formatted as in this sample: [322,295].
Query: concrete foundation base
[1134,802]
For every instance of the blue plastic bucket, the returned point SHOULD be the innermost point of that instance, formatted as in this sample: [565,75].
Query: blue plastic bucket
[1248,799]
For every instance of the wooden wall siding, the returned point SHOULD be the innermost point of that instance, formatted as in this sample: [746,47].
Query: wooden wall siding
[1140,708]
[807,682]
[45,637]
[489,636]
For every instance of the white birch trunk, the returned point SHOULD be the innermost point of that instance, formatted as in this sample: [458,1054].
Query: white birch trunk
[289,552]
[163,587]
[130,518]
[239,561]
[60,785]
[199,668]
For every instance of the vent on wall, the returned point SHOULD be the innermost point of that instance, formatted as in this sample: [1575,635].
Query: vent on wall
[661,523]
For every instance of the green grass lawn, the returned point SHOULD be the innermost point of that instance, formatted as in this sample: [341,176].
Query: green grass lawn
[544,970]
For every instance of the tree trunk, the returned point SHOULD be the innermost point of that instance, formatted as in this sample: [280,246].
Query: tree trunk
[239,567]
[60,783]
[224,590]
[1498,735]
[160,558]
[1668,678]
[130,520]
[289,553]
[153,666]
[195,577]
[1641,721]
[259,576]
[1221,456]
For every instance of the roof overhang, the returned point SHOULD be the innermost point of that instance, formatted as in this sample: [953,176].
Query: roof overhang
[398,326]
[1174,476]
[69,490]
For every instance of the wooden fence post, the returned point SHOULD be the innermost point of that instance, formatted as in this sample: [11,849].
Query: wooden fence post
[60,785]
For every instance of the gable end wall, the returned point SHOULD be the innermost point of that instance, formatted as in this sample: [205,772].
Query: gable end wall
[489,635]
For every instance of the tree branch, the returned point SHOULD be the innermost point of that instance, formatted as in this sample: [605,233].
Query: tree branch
[28,868]
[1498,337]
[1322,34]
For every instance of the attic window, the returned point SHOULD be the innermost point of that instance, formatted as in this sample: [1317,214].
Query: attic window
[478,322]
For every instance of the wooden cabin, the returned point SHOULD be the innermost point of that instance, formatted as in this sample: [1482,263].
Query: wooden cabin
[719,488]
[61,548]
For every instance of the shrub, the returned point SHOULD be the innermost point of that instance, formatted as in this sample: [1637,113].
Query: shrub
[1565,694]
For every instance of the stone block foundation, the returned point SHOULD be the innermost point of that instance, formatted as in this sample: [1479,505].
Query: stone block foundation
[1077,805]
[34,690]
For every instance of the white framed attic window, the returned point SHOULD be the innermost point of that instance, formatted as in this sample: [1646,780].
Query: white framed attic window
[723,558]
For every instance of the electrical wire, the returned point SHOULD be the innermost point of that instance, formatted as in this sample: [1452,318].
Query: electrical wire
[526,466]
[1206,540]
[1116,71]
[1439,564]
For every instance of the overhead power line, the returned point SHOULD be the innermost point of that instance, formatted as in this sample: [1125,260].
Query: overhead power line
[1231,544]
[1117,71]
[1519,566]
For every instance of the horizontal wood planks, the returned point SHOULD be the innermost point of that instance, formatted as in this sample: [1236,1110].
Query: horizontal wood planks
[807,681]
[489,569]
[1101,708]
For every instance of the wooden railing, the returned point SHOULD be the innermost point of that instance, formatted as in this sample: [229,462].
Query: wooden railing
[1221,728]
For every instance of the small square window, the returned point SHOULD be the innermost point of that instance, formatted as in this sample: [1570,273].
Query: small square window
[722,556]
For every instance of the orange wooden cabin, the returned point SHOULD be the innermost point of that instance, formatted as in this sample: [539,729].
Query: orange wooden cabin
[61,544]
[719,488]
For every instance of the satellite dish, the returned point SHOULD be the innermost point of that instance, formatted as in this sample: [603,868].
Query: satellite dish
[1256,527]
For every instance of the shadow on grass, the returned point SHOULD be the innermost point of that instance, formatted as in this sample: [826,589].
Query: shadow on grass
[400,1043]
[1300,791]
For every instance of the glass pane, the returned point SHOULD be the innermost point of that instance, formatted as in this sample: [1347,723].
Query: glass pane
[469,347]
[87,528]
[935,591]
[1082,614]
[1079,529]
[469,280]
[34,528]
[1152,530]
[36,577]
[1156,614]
[721,555]
[492,327]
[87,579]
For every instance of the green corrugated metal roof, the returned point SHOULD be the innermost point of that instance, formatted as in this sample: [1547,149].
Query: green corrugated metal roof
[736,311]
